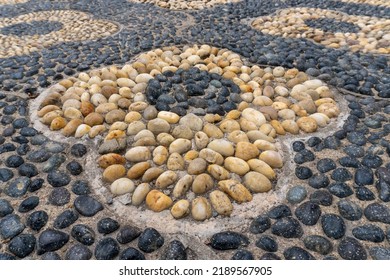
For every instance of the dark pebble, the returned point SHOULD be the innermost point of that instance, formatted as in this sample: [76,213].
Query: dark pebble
[267,243]
[127,234]
[10,226]
[107,226]
[298,146]
[65,219]
[175,251]
[297,253]
[50,256]
[20,123]
[74,168]
[28,170]
[296,194]
[341,175]
[318,244]
[6,257]
[303,172]
[332,142]
[313,141]
[321,197]
[260,224]
[6,174]
[23,149]
[51,240]
[279,211]
[357,138]
[372,161]
[351,249]
[36,184]
[7,147]
[78,252]
[22,245]
[270,257]
[349,162]
[383,189]
[37,220]
[228,240]
[28,204]
[5,208]
[59,196]
[340,190]
[80,187]
[87,206]
[78,150]
[349,210]
[364,176]
[364,194]
[241,255]
[58,179]
[41,155]
[369,232]
[131,254]
[106,249]
[287,227]
[308,213]
[319,181]
[83,234]
[17,187]
[380,253]
[14,161]
[333,226]
[376,212]
[28,131]
[354,151]
[150,240]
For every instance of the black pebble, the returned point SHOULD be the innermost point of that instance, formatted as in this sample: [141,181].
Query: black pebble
[380,253]
[78,252]
[175,251]
[14,161]
[228,240]
[59,196]
[28,204]
[28,170]
[287,227]
[377,212]
[369,232]
[107,226]
[242,254]
[17,187]
[279,211]
[131,254]
[50,256]
[298,146]
[10,226]
[37,220]
[65,219]
[36,184]
[319,181]
[58,179]
[349,210]
[318,244]
[150,240]
[267,243]
[74,168]
[51,240]
[303,172]
[22,245]
[83,234]
[6,174]
[297,253]
[127,234]
[87,206]
[270,257]
[5,208]
[308,213]
[341,175]
[80,187]
[78,150]
[106,249]
[313,141]
[260,224]
[351,249]
[333,226]
[340,190]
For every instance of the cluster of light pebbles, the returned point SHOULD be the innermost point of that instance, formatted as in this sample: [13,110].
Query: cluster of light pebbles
[186,5]
[195,163]
[373,36]
[75,26]
[384,3]
[10,2]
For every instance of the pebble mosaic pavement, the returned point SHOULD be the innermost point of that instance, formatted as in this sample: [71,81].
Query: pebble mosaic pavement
[194,129]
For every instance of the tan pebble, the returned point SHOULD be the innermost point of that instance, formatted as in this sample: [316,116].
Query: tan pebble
[142,134]
[115,116]
[135,127]
[321,101]
[298,110]
[278,127]
[246,151]
[313,84]
[114,172]
[290,126]
[237,136]
[157,201]
[257,182]
[202,183]
[235,190]
[279,106]
[66,83]
[82,130]
[191,155]
[221,146]
[313,94]
[268,91]
[262,101]
[197,166]
[221,203]
[269,112]
[123,103]
[180,209]
[122,186]
[321,119]
[192,121]
[281,91]
[165,179]
[118,126]
[287,114]
[47,109]
[308,105]
[254,135]
[71,127]
[201,140]
[110,159]
[329,109]
[143,78]
[138,154]
[307,124]
[175,162]
[262,167]
[236,165]
[93,119]
[160,155]
[132,116]
[272,158]
[264,145]
[171,118]
[152,174]
[180,146]
[158,126]
[71,103]
[324,92]
[50,116]
[150,113]
[98,99]
[247,125]
[139,194]
[218,172]
[228,126]
[138,106]
[165,139]
[182,131]
[138,170]
[201,209]
[212,131]
[125,82]
[233,115]
[182,186]
[105,108]
[72,113]
[58,123]
[211,156]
